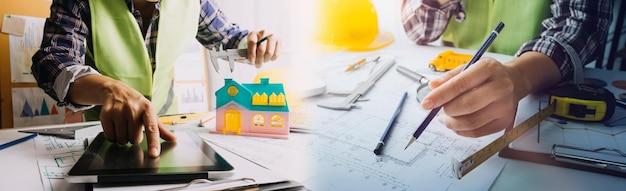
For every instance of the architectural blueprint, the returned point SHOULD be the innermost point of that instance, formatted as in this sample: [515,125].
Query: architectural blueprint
[55,156]
[338,155]
[345,141]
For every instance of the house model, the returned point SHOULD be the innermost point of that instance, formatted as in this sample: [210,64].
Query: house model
[252,109]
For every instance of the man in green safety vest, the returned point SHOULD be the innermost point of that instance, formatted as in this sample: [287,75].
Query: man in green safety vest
[551,41]
[120,54]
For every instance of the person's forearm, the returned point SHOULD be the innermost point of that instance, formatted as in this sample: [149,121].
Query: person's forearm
[91,89]
[533,71]
[215,29]
[577,26]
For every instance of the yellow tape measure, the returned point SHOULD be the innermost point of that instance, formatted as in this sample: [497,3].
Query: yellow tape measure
[471,162]
[582,102]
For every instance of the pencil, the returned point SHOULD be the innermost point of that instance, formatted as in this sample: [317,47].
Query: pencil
[17,141]
[394,117]
[263,39]
[479,53]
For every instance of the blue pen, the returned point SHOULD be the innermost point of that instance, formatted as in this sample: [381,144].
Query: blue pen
[18,141]
[477,56]
[383,139]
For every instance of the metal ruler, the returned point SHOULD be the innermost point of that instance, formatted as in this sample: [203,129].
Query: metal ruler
[471,162]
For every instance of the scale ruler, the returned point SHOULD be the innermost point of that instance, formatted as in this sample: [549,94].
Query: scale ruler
[471,162]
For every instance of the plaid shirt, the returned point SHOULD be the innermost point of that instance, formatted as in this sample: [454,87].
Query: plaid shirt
[61,58]
[570,36]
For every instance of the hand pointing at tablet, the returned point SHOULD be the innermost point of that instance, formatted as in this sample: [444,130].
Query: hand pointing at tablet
[125,114]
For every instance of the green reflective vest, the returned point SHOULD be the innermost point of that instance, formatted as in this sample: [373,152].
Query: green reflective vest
[119,50]
[522,21]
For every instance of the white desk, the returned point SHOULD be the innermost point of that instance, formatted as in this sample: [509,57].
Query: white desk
[19,167]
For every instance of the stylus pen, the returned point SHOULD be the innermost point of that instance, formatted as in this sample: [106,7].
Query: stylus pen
[394,117]
[477,56]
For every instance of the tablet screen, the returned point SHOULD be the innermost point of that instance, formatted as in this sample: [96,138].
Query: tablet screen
[188,155]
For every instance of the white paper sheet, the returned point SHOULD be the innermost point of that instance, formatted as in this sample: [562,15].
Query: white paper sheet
[22,48]
[55,157]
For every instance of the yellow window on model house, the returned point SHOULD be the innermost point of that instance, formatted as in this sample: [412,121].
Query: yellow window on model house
[277,121]
[277,100]
[259,99]
[258,120]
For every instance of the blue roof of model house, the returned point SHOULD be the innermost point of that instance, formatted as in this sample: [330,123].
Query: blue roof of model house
[242,94]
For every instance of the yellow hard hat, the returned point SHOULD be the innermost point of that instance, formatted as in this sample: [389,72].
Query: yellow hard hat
[350,24]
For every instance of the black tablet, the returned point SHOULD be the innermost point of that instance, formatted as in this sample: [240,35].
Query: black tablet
[188,158]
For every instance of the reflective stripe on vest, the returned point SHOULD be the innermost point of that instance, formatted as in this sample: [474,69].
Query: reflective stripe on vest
[522,20]
[120,52]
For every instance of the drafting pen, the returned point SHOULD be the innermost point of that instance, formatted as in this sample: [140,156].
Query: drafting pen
[17,141]
[263,39]
[477,56]
[383,139]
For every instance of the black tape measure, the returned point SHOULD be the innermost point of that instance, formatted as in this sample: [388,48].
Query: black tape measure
[582,102]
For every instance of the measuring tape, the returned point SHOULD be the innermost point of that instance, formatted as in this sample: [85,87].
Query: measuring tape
[575,102]
[582,102]
[471,162]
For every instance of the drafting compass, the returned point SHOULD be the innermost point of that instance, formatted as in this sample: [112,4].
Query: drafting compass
[229,54]
[359,91]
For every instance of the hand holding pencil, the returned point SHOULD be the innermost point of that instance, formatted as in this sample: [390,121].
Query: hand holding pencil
[466,91]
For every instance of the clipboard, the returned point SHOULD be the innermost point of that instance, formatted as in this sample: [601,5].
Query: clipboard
[593,147]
